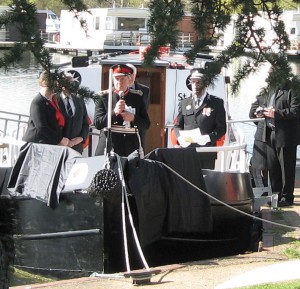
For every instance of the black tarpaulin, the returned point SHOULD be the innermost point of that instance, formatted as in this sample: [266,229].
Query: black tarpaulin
[166,203]
[41,172]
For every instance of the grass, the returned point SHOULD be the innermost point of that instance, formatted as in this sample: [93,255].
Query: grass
[282,285]
[293,251]
[19,277]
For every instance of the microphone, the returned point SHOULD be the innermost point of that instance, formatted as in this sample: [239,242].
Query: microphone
[121,94]
[125,123]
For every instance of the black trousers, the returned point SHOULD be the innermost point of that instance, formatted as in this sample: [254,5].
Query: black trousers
[282,167]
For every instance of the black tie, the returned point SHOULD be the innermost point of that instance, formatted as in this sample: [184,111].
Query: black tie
[272,99]
[69,108]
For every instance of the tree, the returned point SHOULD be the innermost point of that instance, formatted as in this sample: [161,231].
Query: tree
[209,17]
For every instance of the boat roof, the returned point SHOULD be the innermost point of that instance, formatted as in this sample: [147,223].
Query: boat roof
[168,59]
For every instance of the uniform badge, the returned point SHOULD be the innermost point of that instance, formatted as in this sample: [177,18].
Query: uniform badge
[103,92]
[136,91]
[188,107]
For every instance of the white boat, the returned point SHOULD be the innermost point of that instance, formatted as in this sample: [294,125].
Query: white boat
[112,29]
[85,234]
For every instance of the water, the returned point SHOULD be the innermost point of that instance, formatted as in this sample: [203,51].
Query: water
[19,85]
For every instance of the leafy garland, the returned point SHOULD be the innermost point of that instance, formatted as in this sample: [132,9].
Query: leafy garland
[208,17]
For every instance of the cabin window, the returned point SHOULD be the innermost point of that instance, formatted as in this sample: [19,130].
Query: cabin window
[293,30]
[131,23]
[97,23]
[108,24]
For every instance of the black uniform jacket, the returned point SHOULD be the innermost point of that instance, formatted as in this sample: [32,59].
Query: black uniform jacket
[145,92]
[123,143]
[210,117]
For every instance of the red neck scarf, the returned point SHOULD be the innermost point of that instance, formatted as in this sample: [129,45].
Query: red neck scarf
[58,114]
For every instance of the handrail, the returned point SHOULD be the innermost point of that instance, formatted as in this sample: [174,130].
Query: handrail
[222,148]
[226,149]
[7,118]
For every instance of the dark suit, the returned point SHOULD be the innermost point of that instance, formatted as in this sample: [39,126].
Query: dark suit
[42,124]
[146,97]
[210,118]
[123,144]
[77,125]
[282,141]
[259,157]
[259,164]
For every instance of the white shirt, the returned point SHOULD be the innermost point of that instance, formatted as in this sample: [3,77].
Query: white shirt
[64,97]
[202,97]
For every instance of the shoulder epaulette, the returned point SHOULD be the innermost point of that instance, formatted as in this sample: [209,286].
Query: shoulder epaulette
[103,92]
[136,91]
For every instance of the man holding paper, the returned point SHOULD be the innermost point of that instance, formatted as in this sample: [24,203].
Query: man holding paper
[201,118]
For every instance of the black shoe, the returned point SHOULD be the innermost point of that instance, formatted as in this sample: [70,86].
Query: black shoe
[284,203]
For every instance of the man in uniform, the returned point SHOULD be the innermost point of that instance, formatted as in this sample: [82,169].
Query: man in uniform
[129,115]
[204,112]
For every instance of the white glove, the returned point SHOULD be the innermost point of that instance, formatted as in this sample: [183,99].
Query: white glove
[203,140]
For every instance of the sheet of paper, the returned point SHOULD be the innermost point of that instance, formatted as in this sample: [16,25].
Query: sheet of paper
[191,135]
[186,137]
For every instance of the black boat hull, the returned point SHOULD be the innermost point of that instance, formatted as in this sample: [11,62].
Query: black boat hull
[84,234]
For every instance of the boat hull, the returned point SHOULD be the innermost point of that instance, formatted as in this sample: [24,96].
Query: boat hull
[84,234]
[65,242]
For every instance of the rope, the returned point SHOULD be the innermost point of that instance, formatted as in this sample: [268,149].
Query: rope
[123,218]
[230,207]
[125,196]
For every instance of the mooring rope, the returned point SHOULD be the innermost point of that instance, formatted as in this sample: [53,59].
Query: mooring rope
[136,239]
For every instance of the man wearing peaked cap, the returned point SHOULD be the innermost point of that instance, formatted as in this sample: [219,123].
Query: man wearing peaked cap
[204,112]
[196,74]
[128,111]
[121,70]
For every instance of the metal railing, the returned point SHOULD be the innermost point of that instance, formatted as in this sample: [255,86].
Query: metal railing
[12,128]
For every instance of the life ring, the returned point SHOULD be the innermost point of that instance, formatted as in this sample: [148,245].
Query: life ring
[57,38]
[87,140]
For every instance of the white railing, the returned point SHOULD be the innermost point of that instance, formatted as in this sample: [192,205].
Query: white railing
[12,129]
[230,158]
